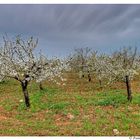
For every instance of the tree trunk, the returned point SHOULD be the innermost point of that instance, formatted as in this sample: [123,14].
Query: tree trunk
[24,85]
[100,82]
[128,85]
[89,77]
[40,86]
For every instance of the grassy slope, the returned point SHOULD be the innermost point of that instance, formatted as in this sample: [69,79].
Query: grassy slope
[95,111]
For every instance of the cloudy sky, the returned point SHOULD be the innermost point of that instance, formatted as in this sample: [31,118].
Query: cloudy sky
[61,28]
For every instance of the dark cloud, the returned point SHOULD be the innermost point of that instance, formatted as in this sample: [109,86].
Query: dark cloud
[61,27]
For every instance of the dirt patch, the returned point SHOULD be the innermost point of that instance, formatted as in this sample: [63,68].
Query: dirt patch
[63,120]
[2,118]
[2,114]
[40,115]
[68,123]
[107,107]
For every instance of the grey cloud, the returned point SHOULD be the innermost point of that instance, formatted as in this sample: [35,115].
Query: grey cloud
[62,26]
[59,17]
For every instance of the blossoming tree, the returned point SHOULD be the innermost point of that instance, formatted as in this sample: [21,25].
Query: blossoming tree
[125,65]
[18,61]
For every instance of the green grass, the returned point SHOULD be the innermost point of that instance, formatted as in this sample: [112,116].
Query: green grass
[96,112]
[38,105]
[115,99]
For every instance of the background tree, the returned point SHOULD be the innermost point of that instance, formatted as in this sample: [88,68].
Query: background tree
[52,71]
[79,62]
[125,65]
[99,65]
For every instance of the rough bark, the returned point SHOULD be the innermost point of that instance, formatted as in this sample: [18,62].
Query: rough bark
[89,77]
[128,85]
[40,86]
[24,85]
[100,82]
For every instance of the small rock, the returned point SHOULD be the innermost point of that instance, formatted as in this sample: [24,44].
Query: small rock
[130,108]
[86,116]
[70,116]
[21,101]
[116,132]
[63,84]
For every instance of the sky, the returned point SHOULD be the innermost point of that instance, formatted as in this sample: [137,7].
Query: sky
[62,28]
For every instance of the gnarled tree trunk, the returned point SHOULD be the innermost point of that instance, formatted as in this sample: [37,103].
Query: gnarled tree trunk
[128,85]
[40,86]
[24,85]
[100,83]
[89,77]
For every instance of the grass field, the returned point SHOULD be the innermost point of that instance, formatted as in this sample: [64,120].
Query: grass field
[78,109]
